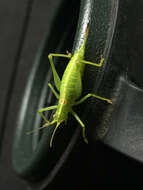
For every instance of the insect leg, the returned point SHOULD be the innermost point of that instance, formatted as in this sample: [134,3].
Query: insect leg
[94,64]
[35,130]
[45,125]
[92,95]
[56,76]
[46,109]
[82,125]
[53,90]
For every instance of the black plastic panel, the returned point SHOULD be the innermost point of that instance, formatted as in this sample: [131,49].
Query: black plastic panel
[126,126]
[33,29]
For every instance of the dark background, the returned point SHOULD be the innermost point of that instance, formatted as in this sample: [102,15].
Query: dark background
[23,26]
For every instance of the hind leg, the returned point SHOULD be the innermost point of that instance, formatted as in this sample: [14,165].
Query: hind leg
[57,80]
[94,64]
[53,90]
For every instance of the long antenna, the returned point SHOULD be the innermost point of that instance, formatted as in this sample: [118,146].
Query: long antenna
[51,141]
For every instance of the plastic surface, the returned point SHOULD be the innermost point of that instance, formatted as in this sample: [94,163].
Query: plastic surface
[121,126]
[56,26]
[32,157]
[125,132]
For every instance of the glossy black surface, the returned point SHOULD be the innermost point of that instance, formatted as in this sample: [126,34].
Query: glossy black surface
[31,30]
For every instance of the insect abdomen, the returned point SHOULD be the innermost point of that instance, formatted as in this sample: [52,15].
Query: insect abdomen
[71,85]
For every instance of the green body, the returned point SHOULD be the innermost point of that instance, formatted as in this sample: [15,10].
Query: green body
[71,85]
[69,88]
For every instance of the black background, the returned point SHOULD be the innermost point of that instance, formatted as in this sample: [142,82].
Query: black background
[22,27]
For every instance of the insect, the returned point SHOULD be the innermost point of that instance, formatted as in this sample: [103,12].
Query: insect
[69,88]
